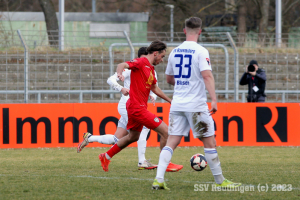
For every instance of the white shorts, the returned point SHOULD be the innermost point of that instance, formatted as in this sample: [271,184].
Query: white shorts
[124,117]
[201,124]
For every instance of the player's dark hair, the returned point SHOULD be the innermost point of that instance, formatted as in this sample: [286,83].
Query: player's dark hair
[193,22]
[156,45]
[142,51]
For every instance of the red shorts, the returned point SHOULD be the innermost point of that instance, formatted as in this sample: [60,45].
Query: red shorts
[137,118]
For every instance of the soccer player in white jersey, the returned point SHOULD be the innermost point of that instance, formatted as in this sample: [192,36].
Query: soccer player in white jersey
[189,70]
[121,129]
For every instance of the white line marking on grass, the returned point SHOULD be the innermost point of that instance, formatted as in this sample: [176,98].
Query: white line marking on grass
[130,178]
[141,179]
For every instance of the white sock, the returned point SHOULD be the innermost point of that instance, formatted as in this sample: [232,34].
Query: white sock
[142,142]
[103,139]
[164,160]
[213,161]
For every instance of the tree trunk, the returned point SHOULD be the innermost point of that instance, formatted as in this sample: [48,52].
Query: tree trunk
[51,21]
[242,28]
[263,24]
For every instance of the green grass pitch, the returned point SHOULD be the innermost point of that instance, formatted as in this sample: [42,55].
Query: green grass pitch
[61,173]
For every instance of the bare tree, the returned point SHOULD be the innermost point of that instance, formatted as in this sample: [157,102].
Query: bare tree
[242,27]
[263,24]
[230,6]
[51,21]
[289,7]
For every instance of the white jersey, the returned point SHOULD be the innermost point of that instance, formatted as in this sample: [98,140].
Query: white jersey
[112,81]
[186,63]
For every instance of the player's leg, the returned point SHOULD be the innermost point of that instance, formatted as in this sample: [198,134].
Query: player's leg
[162,129]
[122,128]
[203,127]
[164,160]
[141,143]
[179,126]
[104,158]
[108,139]
[112,139]
[105,139]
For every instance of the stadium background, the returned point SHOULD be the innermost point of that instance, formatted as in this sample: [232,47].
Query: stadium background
[68,94]
[91,52]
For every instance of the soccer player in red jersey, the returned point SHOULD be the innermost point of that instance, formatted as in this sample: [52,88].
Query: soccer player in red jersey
[142,81]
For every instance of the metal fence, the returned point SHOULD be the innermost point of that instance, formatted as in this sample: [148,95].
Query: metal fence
[76,39]
[79,74]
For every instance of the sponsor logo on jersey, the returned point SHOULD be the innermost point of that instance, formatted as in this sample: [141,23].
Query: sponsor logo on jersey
[134,60]
[208,61]
[156,119]
[150,80]
[147,66]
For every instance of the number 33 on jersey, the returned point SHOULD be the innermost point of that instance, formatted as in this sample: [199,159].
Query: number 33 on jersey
[186,63]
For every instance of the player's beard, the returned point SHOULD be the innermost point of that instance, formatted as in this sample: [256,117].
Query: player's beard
[155,62]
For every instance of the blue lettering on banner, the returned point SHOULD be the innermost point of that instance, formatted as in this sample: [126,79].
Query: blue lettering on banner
[183,82]
[184,51]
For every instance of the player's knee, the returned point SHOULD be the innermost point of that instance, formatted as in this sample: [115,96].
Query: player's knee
[164,136]
[133,137]
[209,142]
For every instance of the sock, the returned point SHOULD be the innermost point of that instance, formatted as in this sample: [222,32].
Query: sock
[213,161]
[103,139]
[112,151]
[142,142]
[164,160]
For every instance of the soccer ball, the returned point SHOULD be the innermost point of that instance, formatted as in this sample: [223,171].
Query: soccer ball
[198,162]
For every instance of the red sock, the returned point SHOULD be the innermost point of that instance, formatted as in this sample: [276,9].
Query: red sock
[114,150]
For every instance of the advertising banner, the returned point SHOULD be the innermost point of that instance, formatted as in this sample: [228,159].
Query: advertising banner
[63,124]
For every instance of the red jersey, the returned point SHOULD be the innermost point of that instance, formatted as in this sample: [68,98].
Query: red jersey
[141,79]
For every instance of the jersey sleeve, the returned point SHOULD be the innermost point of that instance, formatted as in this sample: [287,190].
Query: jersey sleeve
[112,81]
[204,60]
[154,78]
[169,69]
[152,93]
[126,73]
[134,64]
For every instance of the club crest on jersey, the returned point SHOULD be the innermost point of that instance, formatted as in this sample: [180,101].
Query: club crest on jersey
[134,60]
[156,119]
[208,61]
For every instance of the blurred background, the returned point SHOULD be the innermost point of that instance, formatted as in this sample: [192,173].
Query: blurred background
[44,62]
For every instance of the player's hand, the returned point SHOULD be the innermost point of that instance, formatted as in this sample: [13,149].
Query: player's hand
[152,100]
[125,91]
[214,108]
[121,77]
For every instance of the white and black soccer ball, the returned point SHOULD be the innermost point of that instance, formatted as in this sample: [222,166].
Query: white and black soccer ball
[198,162]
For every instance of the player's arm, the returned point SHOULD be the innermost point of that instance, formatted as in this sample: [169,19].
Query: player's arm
[160,93]
[169,71]
[170,79]
[113,82]
[120,69]
[210,86]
